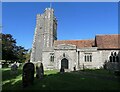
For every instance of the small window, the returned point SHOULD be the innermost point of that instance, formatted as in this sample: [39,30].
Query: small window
[114,57]
[88,57]
[85,58]
[51,57]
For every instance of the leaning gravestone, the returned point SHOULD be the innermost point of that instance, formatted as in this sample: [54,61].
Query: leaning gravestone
[28,74]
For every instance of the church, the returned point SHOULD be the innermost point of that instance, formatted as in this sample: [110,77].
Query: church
[71,54]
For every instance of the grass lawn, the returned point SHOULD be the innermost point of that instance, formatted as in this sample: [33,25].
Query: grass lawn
[53,80]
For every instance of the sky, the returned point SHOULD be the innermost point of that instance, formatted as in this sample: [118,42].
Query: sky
[76,20]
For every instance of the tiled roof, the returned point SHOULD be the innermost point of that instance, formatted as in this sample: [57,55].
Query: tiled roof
[101,41]
[78,43]
[108,41]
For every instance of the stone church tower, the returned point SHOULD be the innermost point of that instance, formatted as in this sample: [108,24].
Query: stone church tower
[45,34]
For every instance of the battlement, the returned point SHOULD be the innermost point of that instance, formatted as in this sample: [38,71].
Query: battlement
[49,9]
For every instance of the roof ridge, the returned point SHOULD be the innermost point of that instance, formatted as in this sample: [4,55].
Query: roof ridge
[76,40]
[106,34]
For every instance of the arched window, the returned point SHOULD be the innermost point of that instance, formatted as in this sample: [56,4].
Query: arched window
[51,57]
[111,53]
[114,57]
[88,57]
[111,58]
[85,58]
[117,59]
[115,54]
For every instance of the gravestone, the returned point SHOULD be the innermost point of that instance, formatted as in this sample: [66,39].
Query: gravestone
[14,68]
[37,72]
[40,71]
[28,74]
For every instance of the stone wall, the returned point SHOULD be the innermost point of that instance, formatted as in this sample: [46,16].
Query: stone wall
[96,58]
[70,55]
[70,52]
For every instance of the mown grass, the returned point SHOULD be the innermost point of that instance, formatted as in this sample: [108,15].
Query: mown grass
[100,72]
[53,80]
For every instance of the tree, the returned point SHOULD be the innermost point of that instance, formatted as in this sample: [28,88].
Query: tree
[28,54]
[10,51]
[21,53]
[8,45]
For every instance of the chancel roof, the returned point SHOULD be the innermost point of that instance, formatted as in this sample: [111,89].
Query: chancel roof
[108,41]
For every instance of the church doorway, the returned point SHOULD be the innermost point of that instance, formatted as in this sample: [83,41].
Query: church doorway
[64,63]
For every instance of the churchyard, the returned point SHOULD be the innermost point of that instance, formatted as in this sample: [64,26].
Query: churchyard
[53,80]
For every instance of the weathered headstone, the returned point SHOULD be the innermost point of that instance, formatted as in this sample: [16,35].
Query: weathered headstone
[14,68]
[28,74]
[37,72]
[40,71]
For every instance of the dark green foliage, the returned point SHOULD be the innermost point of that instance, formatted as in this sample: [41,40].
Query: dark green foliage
[8,45]
[10,51]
